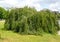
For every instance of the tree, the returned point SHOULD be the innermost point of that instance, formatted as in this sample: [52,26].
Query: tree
[29,21]
[2,13]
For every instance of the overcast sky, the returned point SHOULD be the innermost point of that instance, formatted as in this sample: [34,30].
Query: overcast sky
[38,4]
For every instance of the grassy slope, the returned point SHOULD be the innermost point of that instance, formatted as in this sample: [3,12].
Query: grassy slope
[9,36]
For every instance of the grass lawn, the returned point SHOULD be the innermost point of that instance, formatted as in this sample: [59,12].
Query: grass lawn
[9,36]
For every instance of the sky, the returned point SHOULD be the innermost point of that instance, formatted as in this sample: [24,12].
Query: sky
[53,5]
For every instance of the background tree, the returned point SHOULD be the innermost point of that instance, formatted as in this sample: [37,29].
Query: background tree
[2,13]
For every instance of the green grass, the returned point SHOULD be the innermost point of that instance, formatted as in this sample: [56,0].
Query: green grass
[9,36]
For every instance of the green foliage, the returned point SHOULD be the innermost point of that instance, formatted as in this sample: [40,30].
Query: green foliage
[3,13]
[29,21]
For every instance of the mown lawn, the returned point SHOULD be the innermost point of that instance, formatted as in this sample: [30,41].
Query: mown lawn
[9,36]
